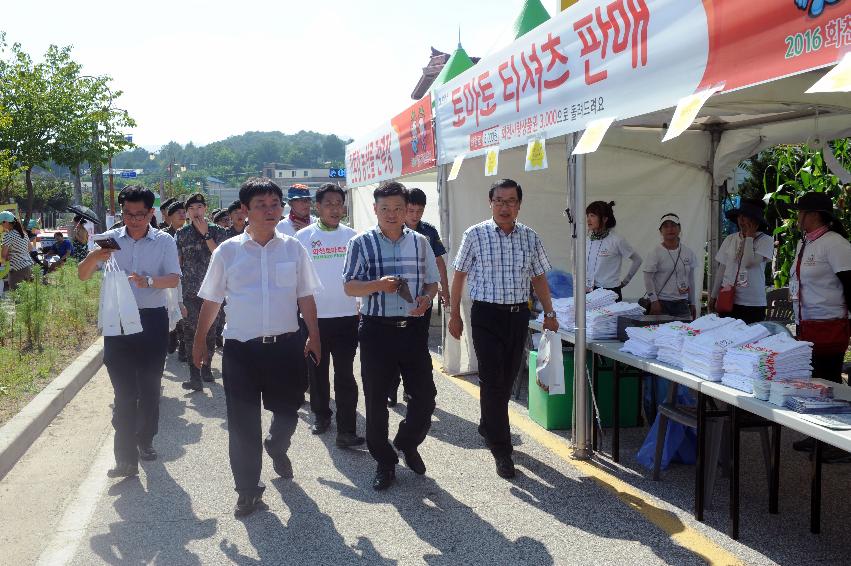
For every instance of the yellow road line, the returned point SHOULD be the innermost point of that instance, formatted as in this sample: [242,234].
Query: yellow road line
[680,533]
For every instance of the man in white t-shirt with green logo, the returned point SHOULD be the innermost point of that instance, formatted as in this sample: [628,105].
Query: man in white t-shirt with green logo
[326,242]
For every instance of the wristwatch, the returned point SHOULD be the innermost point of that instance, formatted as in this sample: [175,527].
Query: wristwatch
[551,314]
[207,236]
[150,281]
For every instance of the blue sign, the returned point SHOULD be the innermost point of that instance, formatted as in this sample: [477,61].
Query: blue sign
[337,173]
[128,174]
[128,138]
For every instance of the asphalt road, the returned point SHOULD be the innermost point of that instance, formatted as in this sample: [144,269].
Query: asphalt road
[58,507]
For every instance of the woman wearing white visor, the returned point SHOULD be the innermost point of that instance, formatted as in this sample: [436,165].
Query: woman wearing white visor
[669,273]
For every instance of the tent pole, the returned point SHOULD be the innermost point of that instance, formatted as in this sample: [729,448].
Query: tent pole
[714,210]
[582,445]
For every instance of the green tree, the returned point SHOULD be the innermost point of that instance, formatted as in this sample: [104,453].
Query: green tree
[27,90]
[92,127]
[49,194]
[794,171]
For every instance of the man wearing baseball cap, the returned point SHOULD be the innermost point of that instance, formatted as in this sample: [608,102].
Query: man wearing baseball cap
[237,219]
[299,199]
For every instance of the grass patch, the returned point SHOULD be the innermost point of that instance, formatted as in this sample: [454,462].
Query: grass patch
[43,328]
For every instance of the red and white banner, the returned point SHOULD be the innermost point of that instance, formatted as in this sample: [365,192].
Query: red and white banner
[624,58]
[403,146]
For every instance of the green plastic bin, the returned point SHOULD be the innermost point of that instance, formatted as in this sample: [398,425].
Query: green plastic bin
[555,412]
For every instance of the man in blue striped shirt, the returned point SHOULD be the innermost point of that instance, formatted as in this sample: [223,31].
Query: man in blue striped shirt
[393,269]
[501,257]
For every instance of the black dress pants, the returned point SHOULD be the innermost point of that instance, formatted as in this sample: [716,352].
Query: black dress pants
[424,324]
[385,352]
[498,338]
[339,340]
[135,365]
[252,372]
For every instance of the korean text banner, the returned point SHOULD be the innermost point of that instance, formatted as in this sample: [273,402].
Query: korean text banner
[404,146]
[624,58]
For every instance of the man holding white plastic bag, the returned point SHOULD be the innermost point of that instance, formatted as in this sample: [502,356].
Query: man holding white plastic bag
[501,257]
[134,360]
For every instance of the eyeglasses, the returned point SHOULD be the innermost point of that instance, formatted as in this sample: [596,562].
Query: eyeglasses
[511,203]
[137,216]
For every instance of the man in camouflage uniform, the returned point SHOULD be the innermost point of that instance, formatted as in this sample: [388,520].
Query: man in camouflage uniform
[237,219]
[195,244]
[175,217]
[165,224]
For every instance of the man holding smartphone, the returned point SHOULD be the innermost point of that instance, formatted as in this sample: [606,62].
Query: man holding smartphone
[195,244]
[267,278]
[326,242]
[135,361]
[381,264]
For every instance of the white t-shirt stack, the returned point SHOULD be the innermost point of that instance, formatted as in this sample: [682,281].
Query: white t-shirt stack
[669,338]
[784,389]
[640,341]
[703,355]
[777,357]
[602,323]
[566,314]
[327,250]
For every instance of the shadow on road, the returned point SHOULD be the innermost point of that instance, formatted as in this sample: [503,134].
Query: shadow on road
[136,539]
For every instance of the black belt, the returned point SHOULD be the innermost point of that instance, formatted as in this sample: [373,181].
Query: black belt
[270,339]
[396,321]
[516,307]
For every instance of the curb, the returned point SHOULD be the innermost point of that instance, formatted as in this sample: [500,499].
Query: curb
[18,434]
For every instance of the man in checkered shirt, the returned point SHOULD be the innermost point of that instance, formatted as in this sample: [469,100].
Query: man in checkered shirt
[501,257]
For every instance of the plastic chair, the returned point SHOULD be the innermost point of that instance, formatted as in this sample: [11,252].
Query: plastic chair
[717,425]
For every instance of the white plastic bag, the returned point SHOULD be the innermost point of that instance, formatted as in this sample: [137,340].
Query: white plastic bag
[109,319]
[550,364]
[173,306]
[118,313]
[127,306]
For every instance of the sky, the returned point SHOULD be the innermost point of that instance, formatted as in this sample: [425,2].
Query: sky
[202,71]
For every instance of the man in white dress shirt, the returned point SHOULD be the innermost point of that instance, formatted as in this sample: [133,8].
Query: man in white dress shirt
[267,279]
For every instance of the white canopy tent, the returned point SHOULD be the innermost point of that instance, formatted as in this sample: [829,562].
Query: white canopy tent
[647,178]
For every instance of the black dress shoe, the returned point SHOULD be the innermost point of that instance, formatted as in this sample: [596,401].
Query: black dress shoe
[504,467]
[406,398]
[384,478]
[123,470]
[207,374]
[348,440]
[147,453]
[320,425]
[414,461]
[392,401]
[248,504]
